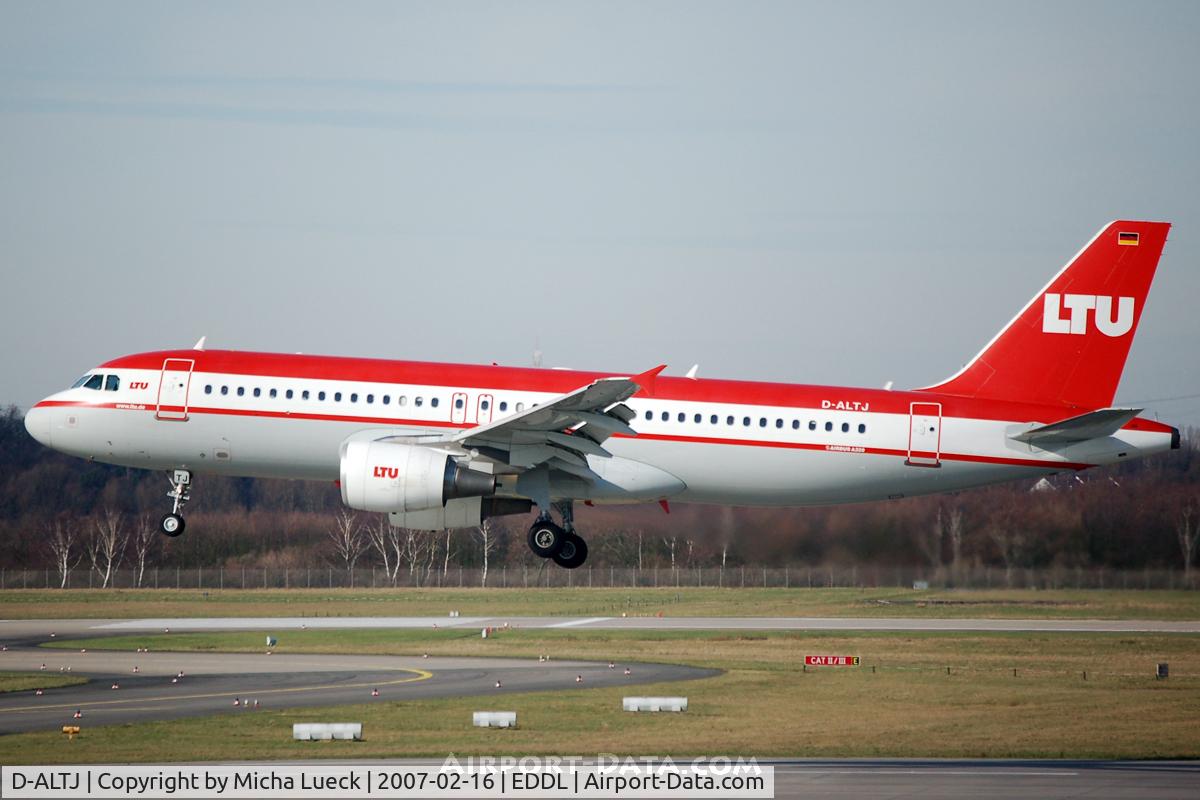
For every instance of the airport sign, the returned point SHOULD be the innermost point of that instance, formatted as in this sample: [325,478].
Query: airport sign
[831,661]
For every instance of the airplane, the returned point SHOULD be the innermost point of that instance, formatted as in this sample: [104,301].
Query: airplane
[440,446]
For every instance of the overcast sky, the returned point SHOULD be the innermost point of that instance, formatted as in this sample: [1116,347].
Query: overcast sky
[838,193]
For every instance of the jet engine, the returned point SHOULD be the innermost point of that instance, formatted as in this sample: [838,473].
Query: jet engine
[393,477]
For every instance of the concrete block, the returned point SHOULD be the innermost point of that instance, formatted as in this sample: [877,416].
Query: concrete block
[494,719]
[655,703]
[314,731]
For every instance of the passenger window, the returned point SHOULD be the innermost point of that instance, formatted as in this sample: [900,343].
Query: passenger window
[354,397]
[337,397]
[504,405]
[208,389]
[729,420]
[762,422]
[304,395]
[666,415]
[746,421]
[845,427]
[862,428]
[681,416]
[485,405]
[812,424]
[402,400]
[778,423]
[387,399]
[649,414]
[290,394]
[433,401]
[370,398]
[241,391]
[257,392]
[828,426]
[274,393]
[224,390]
[417,402]
[112,383]
[520,407]
[458,402]
[320,395]
[713,419]
[795,424]
[697,419]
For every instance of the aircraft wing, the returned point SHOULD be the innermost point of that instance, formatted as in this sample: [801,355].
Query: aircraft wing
[563,432]
[1093,425]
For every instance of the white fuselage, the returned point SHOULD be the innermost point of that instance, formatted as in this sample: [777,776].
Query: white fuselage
[836,448]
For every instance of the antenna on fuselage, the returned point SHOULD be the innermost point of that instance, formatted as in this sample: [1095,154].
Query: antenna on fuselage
[537,351]
[199,345]
[691,373]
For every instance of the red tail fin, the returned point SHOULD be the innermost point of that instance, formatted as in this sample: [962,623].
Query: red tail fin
[1068,345]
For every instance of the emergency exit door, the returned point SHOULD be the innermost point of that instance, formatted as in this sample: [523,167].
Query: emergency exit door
[173,388]
[925,435]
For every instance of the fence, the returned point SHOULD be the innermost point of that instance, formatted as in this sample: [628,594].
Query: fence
[548,575]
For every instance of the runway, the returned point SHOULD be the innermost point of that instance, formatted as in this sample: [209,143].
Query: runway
[11,630]
[175,685]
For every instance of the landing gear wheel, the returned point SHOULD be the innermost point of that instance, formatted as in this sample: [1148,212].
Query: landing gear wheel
[572,553]
[171,525]
[545,538]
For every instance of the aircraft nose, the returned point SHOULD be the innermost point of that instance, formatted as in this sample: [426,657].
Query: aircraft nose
[37,422]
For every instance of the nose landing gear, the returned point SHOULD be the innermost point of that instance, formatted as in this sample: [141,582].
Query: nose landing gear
[172,524]
[548,540]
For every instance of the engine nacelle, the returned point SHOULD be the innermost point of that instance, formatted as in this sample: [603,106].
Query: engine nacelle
[393,477]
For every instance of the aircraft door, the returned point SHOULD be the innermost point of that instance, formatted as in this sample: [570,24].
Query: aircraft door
[483,409]
[925,435]
[173,388]
[458,407]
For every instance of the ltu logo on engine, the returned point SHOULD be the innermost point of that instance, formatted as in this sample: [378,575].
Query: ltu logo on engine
[1078,306]
[387,472]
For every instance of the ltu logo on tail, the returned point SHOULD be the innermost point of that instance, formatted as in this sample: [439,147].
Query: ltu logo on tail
[1078,306]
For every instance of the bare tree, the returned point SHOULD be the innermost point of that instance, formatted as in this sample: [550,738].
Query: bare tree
[1187,528]
[144,540]
[106,546]
[671,542]
[930,540]
[384,539]
[954,532]
[1011,544]
[415,543]
[487,542]
[348,540]
[62,542]
[447,554]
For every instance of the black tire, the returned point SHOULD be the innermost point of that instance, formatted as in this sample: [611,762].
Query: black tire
[171,525]
[573,552]
[545,539]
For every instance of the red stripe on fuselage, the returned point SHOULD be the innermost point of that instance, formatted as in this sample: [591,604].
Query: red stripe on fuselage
[553,381]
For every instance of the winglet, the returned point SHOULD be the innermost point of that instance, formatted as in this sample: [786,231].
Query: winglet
[645,381]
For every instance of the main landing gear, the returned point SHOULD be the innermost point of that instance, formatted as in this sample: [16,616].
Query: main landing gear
[172,524]
[548,540]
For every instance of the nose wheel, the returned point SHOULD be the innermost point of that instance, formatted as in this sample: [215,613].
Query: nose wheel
[172,524]
[560,543]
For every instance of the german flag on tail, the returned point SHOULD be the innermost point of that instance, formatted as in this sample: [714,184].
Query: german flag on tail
[1127,238]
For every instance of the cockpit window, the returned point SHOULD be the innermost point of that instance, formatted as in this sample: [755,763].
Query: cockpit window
[112,383]
[80,382]
[94,382]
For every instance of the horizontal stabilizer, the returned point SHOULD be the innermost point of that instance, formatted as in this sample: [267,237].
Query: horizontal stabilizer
[1093,425]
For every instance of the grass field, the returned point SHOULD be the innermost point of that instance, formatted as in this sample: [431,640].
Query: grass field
[764,704]
[28,681]
[889,602]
